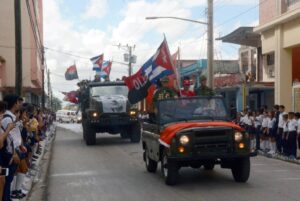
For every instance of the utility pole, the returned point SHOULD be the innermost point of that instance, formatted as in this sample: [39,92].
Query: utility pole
[130,61]
[49,88]
[210,44]
[128,56]
[18,47]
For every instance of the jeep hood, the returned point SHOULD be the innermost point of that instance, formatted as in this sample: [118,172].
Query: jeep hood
[113,103]
[169,133]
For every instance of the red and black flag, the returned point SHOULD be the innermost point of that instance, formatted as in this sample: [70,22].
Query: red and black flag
[71,73]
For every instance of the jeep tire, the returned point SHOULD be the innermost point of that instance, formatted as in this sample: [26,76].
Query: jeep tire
[135,133]
[169,170]
[151,165]
[241,170]
[90,136]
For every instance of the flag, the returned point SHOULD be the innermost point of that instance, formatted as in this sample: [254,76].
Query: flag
[161,64]
[158,66]
[71,96]
[71,73]
[97,62]
[105,70]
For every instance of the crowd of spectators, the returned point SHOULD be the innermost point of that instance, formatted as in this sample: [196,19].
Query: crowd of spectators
[23,128]
[273,131]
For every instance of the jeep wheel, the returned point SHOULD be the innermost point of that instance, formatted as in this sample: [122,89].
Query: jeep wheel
[124,134]
[209,166]
[84,131]
[169,170]
[151,165]
[241,170]
[90,136]
[135,133]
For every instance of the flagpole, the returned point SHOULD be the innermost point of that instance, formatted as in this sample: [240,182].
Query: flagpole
[178,71]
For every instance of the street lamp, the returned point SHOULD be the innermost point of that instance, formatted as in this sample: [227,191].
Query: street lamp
[177,18]
[210,54]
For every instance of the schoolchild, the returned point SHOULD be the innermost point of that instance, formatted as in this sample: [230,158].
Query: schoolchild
[298,128]
[291,138]
[249,121]
[272,132]
[257,124]
[264,131]
[280,130]
[285,132]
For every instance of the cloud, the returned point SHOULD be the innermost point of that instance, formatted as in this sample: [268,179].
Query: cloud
[96,9]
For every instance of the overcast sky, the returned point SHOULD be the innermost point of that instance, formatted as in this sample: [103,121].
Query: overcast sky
[87,28]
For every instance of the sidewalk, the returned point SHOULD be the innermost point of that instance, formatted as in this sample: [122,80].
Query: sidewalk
[35,174]
[280,157]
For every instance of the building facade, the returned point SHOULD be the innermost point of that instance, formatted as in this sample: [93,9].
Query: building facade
[32,41]
[279,26]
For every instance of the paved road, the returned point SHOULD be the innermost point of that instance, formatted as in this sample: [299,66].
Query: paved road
[113,170]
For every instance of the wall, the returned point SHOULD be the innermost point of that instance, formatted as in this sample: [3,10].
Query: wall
[267,11]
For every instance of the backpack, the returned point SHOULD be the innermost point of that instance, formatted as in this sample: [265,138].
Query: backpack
[4,154]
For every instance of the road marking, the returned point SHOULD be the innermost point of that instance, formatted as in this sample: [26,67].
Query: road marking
[291,179]
[71,174]
[258,164]
[272,170]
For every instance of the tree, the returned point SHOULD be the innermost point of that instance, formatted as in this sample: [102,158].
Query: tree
[57,104]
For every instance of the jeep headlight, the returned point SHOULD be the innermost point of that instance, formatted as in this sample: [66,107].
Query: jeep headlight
[238,136]
[184,140]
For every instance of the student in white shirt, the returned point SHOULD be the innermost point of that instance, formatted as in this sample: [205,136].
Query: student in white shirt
[257,124]
[272,132]
[264,130]
[292,136]
[280,129]
[285,133]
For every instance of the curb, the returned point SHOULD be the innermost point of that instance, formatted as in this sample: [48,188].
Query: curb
[37,184]
[279,157]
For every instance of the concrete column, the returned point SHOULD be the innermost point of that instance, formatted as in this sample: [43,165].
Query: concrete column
[283,72]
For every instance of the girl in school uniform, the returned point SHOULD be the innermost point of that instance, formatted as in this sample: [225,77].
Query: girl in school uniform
[264,132]
[285,123]
[272,132]
[258,118]
[249,121]
[291,138]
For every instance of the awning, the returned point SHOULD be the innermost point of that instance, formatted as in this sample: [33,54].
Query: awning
[243,36]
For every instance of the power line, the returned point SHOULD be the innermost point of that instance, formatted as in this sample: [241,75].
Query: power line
[240,14]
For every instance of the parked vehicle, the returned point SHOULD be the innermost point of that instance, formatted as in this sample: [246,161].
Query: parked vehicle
[67,116]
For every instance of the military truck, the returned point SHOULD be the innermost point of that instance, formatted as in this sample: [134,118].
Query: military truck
[195,132]
[105,109]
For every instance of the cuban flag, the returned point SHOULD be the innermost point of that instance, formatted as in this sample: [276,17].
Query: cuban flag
[71,73]
[105,70]
[158,66]
[97,62]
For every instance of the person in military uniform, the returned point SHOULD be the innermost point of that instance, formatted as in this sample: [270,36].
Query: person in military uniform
[204,90]
[164,92]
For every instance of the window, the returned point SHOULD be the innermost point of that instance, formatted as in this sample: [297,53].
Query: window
[270,59]
[292,2]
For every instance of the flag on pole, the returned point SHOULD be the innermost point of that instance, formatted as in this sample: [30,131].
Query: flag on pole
[71,96]
[71,73]
[158,66]
[105,70]
[97,62]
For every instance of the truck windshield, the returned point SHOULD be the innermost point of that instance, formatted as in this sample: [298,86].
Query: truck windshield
[196,108]
[109,90]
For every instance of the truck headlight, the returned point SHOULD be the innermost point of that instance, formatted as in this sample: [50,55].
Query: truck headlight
[132,112]
[238,136]
[184,140]
[95,114]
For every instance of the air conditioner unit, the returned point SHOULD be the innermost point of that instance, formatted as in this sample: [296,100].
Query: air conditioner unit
[271,72]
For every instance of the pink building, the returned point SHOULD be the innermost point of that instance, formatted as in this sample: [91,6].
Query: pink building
[31,53]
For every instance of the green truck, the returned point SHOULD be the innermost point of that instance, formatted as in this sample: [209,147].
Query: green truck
[195,132]
[105,109]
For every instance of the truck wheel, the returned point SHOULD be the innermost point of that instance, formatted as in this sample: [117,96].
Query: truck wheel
[241,170]
[209,166]
[84,131]
[151,165]
[124,134]
[90,137]
[135,133]
[169,170]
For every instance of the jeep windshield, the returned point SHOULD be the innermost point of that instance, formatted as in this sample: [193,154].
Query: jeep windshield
[109,90]
[188,109]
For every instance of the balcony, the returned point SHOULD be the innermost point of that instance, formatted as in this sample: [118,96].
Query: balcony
[291,4]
